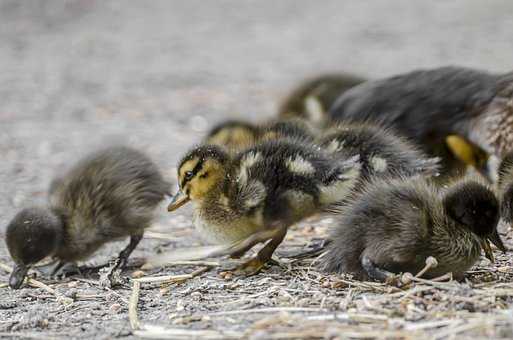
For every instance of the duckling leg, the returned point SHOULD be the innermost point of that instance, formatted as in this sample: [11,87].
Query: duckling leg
[62,270]
[241,247]
[122,259]
[114,273]
[375,272]
[256,264]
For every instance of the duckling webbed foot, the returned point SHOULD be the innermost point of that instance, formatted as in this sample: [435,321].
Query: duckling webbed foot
[250,268]
[379,274]
[63,269]
[255,265]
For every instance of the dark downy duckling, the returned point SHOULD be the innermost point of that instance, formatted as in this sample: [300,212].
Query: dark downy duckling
[395,225]
[109,195]
[312,99]
[258,193]
[382,153]
[427,106]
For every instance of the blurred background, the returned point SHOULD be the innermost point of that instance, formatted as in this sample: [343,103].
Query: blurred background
[75,75]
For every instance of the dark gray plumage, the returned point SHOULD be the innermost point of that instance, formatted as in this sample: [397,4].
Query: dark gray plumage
[109,195]
[428,105]
[382,153]
[394,225]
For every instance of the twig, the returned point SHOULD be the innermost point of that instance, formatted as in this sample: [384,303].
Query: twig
[11,335]
[132,306]
[194,263]
[160,236]
[456,330]
[158,332]
[266,310]
[172,278]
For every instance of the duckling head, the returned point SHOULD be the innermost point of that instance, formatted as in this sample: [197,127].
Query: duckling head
[33,234]
[475,207]
[199,172]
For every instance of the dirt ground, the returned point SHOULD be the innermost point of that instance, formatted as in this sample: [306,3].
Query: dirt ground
[76,75]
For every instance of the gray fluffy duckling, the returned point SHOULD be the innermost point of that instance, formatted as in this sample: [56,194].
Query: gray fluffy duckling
[312,99]
[109,195]
[395,225]
[427,106]
[260,191]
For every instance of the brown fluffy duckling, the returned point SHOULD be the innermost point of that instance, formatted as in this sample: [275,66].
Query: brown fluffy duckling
[260,191]
[505,186]
[395,225]
[312,99]
[235,136]
[108,195]
[427,106]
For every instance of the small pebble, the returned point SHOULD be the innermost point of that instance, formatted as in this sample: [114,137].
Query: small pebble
[114,308]
[73,284]
[227,275]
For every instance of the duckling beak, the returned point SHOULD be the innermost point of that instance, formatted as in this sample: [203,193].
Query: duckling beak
[177,201]
[496,240]
[18,276]
[485,244]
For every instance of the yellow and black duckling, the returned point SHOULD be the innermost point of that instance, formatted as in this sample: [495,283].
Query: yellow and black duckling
[109,195]
[395,225]
[312,99]
[427,106]
[381,152]
[235,136]
[505,186]
[259,192]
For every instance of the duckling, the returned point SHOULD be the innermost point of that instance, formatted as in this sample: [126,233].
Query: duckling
[427,106]
[382,153]
[259,192]
[110,194]
[293,129]
[234,135]
[314,97]
[396,224]
[505,186]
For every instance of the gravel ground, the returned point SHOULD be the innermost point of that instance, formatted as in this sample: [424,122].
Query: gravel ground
[76,75]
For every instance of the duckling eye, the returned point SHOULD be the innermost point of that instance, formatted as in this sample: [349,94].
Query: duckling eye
[188,175]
